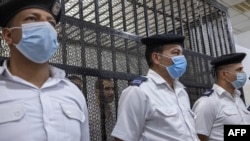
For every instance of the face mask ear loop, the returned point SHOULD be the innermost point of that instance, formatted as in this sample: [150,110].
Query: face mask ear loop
[166,57]
[226,77]
[163,55]
[13,28]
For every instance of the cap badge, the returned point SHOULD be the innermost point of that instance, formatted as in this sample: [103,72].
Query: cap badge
[56,7]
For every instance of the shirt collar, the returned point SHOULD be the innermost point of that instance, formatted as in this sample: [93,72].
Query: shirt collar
[221,91]
[55,72]
[156,77]
[159,80]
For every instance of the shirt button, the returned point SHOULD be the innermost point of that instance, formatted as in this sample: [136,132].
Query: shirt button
[68,112]
[17,114]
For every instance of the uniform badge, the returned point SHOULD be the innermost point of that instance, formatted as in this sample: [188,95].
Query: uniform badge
[208,92]
[137,81]
[56,7]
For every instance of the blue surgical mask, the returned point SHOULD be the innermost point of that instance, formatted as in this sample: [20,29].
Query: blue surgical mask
[240,81]
[39,41]
[178,68]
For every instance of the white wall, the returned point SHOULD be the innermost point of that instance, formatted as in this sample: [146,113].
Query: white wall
[246,64]
[243,39]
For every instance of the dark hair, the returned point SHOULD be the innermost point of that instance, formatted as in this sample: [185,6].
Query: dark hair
[149,51]
[9,24]
[216,70]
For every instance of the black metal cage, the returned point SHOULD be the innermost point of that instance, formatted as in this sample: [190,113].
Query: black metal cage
[101,39]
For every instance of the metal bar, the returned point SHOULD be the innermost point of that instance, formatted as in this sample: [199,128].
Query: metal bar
[136,32]
[146,17]
[83,53]
[172,16]
[99,59]
[210,45]
[225,34]
[124,16]
[164,16]
[216,19]
[196,48]
[64,43]
[114,50]
[217,5]
[212,30]
[94,27]
[127,56]
[230,34]
[180,17]
[110,13]
[188,25]
[155,17]
[209,41]
[201,29]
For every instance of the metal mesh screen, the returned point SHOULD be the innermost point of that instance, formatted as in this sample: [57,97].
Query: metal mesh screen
[101,39]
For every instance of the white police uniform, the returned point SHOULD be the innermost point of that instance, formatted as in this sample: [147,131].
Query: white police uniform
[55,112]
[220,108]
[153,111]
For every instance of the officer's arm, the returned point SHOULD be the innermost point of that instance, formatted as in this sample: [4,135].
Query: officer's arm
[203,137]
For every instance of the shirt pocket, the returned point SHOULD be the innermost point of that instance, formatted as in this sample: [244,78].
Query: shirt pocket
[230,116]
[11,113]
[73,119]
[164,117]
[12,123]
[73,112]
[230,112]
[166,112]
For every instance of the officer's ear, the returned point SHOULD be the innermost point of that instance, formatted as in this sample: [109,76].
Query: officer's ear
[6,33]
[155,58]
[223,74]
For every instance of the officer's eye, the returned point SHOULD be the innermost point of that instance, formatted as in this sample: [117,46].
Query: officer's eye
[176,53]
[31,18]
[108,88]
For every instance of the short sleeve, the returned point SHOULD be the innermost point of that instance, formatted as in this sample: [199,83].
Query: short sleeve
[204,108]
[132,110]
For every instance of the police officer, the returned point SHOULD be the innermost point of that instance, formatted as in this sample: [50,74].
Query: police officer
[222,104]
[37,103]
[157,107]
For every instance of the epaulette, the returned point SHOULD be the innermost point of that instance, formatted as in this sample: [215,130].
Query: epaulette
[248,108]
[137,81]
[208,92]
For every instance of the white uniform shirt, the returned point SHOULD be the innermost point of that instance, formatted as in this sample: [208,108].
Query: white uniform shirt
[218,109]
[154,112]
[55,112]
